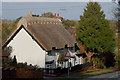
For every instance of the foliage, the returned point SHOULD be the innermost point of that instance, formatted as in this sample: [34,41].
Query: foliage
[117,63]
[113,26]
[117,15]
[35,15]
[117,57]
[21,65]
[48,14]
[17,20]
[68,23]
[86,59]
[108,59]
[36,66]
[14,62]
[7,50]
[8,27]
[24,65]
[97,63]
[94,30]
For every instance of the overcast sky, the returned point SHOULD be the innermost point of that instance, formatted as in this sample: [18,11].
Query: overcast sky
[54,0]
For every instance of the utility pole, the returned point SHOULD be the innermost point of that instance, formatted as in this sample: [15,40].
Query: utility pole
[68,67]
[68,56]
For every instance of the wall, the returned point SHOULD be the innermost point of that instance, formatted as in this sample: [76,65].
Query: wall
[27,50]
[13,73]
[79,60]
[29,73]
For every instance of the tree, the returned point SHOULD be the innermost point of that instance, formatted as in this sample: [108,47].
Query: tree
[68,23]
[117,15]
[48,14]
[93,31]
[14,62]
[17,20]
[8,27]
[7,50]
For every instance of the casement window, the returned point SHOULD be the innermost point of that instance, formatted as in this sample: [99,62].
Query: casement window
[49,53]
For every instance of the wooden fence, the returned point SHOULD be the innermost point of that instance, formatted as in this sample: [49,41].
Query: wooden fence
[58,71]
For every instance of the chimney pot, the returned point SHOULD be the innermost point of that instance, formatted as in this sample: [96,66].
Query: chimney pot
[57,15]
[30,14]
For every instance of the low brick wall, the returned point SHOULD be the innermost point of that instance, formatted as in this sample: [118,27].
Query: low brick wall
[13,73]
[8,73]
[29,73]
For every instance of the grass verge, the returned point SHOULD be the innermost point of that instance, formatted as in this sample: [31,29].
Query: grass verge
[93,73]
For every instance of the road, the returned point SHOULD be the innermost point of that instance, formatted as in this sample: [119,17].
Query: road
[107,76]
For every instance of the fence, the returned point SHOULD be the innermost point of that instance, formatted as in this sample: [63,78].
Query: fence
[58,71]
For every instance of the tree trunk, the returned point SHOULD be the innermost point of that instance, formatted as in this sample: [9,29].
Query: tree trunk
[89,55]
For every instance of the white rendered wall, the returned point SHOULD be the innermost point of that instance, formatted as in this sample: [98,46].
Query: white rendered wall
[56,55]
[27,50]
[79,60]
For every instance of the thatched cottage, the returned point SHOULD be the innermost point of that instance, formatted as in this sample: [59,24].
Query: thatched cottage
[42,41]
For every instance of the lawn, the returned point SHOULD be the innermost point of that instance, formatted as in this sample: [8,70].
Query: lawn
[93,73]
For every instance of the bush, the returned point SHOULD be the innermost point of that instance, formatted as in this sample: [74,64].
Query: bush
[97,63]
[117,59]
[86,59]
[22,65]
[108,59]
[48,14]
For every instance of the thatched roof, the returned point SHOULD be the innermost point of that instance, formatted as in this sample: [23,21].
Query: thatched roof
[48,32]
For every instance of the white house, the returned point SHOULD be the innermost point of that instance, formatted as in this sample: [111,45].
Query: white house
[42,41]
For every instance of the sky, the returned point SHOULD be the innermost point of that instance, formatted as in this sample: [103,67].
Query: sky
[7,8]
[54,0]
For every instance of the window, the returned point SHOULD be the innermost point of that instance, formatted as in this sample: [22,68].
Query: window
[49,53]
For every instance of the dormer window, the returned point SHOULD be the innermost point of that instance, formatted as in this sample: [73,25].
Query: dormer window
[49,53]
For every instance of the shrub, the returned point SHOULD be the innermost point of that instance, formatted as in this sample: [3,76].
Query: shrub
[117,59]
[68,23]
[97,63]
[14,61]
[86,59]
[21,65]
[108,59]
